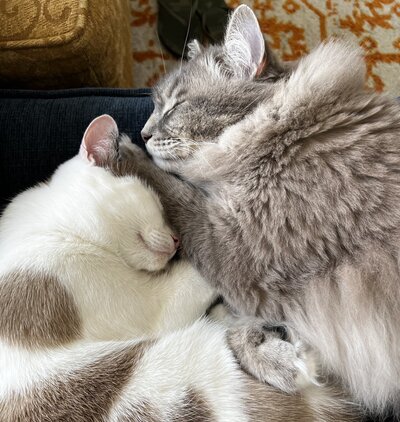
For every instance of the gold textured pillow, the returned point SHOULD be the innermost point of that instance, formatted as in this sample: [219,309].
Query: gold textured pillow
[65,43]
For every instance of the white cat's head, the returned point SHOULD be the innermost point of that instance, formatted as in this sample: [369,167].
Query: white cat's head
[116,212]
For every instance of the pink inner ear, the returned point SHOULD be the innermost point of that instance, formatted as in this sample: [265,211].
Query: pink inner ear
[98,140]
[262,66]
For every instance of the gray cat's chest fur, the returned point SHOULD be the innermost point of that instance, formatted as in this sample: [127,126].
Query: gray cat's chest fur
[295,218]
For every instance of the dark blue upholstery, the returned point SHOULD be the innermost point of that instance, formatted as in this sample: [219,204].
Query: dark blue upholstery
[41,129]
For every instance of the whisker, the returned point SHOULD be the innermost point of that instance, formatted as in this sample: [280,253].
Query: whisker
[188,140]
[188,149]
[186,146]
[251,104]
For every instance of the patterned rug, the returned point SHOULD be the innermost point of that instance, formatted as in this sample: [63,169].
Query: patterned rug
[293,28]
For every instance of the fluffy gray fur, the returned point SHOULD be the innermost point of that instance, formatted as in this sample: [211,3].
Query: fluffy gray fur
[292,210]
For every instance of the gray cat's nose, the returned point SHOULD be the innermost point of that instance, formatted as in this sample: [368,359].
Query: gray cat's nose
[145,136]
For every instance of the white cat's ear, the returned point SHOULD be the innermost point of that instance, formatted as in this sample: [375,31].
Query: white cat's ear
[194,48]
[99,139]
[244,43]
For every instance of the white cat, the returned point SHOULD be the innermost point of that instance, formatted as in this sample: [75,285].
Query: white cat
[96,324]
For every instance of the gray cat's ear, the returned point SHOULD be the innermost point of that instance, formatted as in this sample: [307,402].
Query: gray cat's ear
[99,140]
[194,48]
[244,43]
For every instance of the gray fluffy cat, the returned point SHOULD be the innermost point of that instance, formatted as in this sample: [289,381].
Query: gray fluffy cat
[292,209]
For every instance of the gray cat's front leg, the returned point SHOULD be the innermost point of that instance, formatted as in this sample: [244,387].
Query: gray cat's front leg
[264,354]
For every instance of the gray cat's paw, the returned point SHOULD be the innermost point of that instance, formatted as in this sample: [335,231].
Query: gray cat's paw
[264,354]
[132,160]
[130,151]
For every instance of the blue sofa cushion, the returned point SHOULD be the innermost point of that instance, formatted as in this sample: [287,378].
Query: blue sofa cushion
[41,129]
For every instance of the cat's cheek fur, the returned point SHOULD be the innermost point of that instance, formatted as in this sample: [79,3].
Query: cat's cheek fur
[170,166]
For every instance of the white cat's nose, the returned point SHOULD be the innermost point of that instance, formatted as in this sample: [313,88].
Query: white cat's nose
[161,242]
